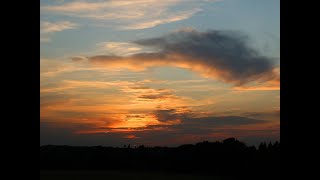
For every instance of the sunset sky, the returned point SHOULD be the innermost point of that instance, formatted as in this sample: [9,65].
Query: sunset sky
[153,72]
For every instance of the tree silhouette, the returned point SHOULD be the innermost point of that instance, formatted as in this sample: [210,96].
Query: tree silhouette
[263,147]
[230,157]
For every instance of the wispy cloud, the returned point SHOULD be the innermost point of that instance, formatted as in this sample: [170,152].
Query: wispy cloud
[51,27]
[128,14]
[47,28]
[123,48]
[44,39]
[71,84]
[167,19]
[257,88]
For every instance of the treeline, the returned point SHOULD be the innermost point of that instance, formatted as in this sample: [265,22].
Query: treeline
[227,157]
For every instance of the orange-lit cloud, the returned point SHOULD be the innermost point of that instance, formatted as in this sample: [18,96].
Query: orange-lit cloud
[131,136]
[71,84]
[255,88]
[130,110]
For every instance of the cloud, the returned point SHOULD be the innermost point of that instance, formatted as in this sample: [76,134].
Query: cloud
[131,136]
[216,121]
[47,28]
[271,85]
[44,39]
[221,55]
[54,67]
[189,130]
[188,121]
[254,88]
[274,114]
[127,103]
[72,84]
[52,100]
[77,58]
[128,14]
[158,95]
[194,119]
[165,115]
[50,27]
[169,126]
[165,20]
[75,7]
[123,48]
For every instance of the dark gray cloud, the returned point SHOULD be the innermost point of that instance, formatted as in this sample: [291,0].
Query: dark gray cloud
[274,113]
[205,125]
[78,58]
[152,96]
[54,133]
[196,129]
[223,55]
[216,121]
[167,115]
[189,124]
[140,87]
[161,95]
[226,51]
[190,118]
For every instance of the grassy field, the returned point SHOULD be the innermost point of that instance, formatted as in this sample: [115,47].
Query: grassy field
[119,175]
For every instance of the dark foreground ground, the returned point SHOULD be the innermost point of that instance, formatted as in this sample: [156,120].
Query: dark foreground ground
[204,160]
[125,175]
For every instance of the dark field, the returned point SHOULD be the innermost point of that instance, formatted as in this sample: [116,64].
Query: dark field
[205,160]
[119,175]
